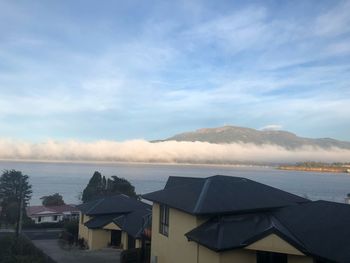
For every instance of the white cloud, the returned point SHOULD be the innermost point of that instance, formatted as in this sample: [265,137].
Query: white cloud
[335,21]
[272,127]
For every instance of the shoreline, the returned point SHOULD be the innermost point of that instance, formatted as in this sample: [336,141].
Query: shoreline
[344,170]
[138,163]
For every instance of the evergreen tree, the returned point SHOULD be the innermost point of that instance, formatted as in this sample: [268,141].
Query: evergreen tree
[122,186]
[99,186]
[52,200]
[95,188]
[13,187]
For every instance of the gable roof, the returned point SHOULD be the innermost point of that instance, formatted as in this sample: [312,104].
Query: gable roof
[117,204]
[319,229]
[221,195]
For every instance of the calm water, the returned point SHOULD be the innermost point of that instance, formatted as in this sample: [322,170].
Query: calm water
[69,179]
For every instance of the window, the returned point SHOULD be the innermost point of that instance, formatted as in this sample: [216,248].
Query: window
[164,220]
[54,218]
[39,219]
[82,218]
[270,257]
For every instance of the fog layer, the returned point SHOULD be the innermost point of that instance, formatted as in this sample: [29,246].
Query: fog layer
[165,152]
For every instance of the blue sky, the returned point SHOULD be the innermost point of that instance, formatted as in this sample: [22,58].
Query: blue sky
[120,70]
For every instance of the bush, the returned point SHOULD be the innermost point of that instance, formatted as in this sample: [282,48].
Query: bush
[131,255]
[72,227]
[20,250]
[5,246]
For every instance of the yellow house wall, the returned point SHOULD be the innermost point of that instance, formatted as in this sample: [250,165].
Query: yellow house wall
[98,238]
[111,226]
[83,230]
[138,243]
[206,255]
[238,256]
[274,243]
[124,240]
[174,248]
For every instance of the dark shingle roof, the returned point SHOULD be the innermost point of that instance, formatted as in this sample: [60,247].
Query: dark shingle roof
[237,231]
[134,222]
[177,181]
[319,229]
[128,213]
[221,194]
[100,221]
[116,204]
[322,226]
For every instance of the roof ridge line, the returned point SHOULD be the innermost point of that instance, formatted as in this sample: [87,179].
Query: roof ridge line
[94,206]
[199,202]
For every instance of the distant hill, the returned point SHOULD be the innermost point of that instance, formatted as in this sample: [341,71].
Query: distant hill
[232,134]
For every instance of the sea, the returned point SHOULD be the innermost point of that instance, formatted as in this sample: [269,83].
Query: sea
[70,179]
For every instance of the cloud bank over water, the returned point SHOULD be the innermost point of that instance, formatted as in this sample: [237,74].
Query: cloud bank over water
[165,152]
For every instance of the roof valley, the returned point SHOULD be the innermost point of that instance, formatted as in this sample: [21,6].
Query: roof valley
[199,203]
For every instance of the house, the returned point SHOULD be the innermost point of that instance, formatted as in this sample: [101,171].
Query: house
[223,219]
[52,214]
[347,199]
[116,221]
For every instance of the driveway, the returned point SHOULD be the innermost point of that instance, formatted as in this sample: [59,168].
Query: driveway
[51,248]
[47,241]
[42,234]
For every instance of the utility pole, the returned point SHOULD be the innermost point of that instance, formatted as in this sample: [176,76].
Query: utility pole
[20,212]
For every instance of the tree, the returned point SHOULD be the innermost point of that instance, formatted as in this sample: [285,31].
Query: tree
[15,193]
[120,185]
[94,189]
[52,200]
[99,187]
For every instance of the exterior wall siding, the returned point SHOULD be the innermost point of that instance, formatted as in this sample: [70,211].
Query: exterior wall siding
[83,230]
[274,243]
[47,219]
[173,248]
[124,241]
[111,226]
[238,256]
[206,255]
[98,238]
[138,243]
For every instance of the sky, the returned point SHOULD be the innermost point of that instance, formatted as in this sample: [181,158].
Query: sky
[122,70]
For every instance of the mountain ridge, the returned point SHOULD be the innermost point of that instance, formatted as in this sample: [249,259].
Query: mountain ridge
[235,134]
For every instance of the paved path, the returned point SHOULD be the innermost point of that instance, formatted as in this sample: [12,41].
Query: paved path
[52,249]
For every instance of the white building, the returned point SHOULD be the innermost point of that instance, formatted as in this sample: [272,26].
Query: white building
[52,214]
